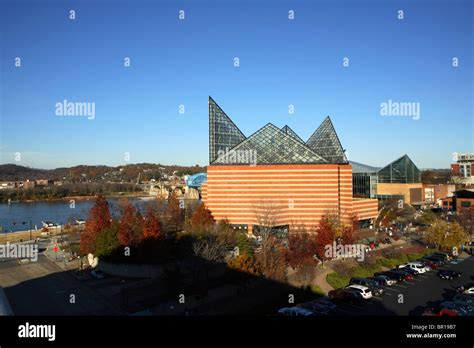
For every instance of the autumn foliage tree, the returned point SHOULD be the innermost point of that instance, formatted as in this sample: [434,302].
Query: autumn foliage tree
[302,247]
[347,236]
[99,219]
[174,213]
[151,225]
[202,219]
[245,264]
[326,235]
[272,258]
[446,236]
[130,225]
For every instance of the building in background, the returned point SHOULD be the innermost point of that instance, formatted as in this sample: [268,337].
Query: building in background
[364,180]
[435,194]
[461,200]
[275,179]
[462,171]
[400,179]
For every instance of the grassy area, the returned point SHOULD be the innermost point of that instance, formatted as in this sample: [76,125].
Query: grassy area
[399,258]
[337,281]
[316,289]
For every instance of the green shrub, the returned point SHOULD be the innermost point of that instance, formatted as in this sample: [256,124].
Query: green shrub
[316,289]
[389,263]
[337,281]
[400,257]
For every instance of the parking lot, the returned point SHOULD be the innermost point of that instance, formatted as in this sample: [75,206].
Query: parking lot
[42,288]
[412,297]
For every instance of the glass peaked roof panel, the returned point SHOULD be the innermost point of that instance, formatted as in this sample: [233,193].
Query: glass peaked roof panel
[402,170]
[223,133]
[270,145]
[325,142]
[292,133]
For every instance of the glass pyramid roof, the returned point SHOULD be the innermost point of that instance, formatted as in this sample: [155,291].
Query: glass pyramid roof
[270,145]
[223,133]
[325,142]
[402,170]
[292,133]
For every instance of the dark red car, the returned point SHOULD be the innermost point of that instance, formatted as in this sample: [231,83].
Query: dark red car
[440,312]
[430,264]
[406,276]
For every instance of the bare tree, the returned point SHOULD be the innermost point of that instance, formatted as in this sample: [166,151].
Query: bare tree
[267,214]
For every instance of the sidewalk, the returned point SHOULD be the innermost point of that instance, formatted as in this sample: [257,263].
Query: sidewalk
[321,279]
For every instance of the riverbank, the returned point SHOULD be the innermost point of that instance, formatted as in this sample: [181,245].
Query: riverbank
[81,198]
[22,236]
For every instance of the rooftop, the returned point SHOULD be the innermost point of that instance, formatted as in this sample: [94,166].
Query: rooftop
[270,144]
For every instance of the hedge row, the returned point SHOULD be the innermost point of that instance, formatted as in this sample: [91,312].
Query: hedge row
[337,280]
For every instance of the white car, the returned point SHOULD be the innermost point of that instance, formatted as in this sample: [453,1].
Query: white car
[416,266]
[363,290]
[468,290]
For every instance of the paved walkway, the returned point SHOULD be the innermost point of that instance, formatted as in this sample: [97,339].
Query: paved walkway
[321,279]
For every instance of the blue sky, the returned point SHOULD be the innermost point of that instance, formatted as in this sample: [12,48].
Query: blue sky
[181,62]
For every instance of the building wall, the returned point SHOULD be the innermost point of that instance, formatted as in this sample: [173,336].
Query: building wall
[279,194]
[365,208]
[455,169]
[468,201]
[444,190]
[204,192]
[398,189]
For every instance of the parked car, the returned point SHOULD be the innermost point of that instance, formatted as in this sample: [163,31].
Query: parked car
[441,260]
[440,312]
[392,275]
[98,274]
[466,290]
[405,274]
[437,261]
[408,270]
[445,256]
[428,263]
[345,295]
[295,311]
[374,287]
[448,274]
[364,291]
[319,307]
[386,280]
[418,266]
[460,309]
[464,299]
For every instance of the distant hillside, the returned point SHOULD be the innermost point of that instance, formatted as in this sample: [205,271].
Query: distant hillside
[13,172]
[131,172]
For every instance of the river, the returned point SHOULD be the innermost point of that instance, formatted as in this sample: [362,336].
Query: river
[17,216]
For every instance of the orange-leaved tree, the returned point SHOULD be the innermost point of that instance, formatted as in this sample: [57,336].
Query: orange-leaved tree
[151,225]
[326,235]
[202,219]
[174,213]
[99,219]
[130,225]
